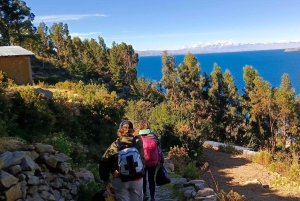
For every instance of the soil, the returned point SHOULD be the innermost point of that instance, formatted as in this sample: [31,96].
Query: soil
[234,172]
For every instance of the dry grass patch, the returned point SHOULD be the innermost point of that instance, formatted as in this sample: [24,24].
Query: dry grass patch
[11,144]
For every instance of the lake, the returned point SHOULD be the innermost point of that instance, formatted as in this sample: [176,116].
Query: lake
[270,64]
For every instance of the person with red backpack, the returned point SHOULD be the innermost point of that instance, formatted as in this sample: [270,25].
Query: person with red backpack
[152,155]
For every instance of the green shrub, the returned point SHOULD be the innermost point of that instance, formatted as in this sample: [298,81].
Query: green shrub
[294,173]
[60,142]
[264,157]
[179,157]
[191,171]
[87,191]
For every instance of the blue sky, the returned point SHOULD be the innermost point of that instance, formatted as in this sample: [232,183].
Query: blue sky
[169,25]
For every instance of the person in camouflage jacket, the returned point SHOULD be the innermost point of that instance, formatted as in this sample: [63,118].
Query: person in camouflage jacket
[125,191]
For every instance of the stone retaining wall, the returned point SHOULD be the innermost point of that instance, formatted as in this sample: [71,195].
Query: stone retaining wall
[39,173]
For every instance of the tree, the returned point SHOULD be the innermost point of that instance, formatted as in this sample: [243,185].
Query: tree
[170,79]
[285,102]
[233,116]
[16,22]
[122,64]
[189,77]
[262,110]
[59,34]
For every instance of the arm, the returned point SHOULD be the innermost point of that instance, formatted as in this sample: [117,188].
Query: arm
[160,153]
[107,162]
[139,146]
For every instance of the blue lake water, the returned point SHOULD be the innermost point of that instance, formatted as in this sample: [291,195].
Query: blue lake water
[270,64]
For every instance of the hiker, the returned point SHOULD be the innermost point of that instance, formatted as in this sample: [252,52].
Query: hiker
[152,156]
[124,159]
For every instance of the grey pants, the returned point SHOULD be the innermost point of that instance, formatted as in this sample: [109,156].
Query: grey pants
[128,191]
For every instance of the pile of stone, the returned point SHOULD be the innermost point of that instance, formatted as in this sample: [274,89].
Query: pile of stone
[39,173]
[195,189]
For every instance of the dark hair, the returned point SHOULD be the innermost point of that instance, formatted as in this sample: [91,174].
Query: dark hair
[126,124]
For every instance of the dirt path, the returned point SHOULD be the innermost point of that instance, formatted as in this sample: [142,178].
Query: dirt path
[231,172]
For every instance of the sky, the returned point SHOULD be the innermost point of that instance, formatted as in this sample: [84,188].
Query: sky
[172,24]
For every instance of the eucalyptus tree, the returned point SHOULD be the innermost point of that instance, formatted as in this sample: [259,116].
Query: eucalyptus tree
[45,44]
[285,102]
[233,114]
[189,77]
[263,112]
[217,104]
[59,34]
[98,56]
[122,64]
[16,22]
[169,78]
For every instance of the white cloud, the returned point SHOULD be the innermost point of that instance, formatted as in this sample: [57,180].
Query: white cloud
[59,18]
[85,35]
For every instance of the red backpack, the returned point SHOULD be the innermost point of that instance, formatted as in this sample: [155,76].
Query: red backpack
[150,150]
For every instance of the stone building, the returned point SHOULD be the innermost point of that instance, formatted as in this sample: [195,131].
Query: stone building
[15,62]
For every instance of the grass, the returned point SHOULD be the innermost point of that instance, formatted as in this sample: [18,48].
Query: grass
[11,144]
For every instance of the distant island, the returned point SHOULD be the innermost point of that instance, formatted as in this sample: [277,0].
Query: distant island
[292,49]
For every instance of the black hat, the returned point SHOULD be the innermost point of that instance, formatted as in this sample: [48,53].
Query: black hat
[126,124]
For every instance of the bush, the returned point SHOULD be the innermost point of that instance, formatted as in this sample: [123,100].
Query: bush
[179,157]
[231,196]
[191,171]
[60,142]
[87,191]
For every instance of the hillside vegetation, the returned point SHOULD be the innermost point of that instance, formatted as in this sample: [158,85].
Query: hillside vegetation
[90,88]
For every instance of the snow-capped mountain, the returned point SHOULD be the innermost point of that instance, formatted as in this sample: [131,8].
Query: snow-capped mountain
[225,46]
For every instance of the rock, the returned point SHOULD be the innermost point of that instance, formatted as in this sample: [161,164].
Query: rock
[11,158]
[62,157]
[27,164]
[205,192]
[188,193]
[44,93]
[44,148]
[21,177]
[49,159]
[14,193]
[33,190]
[180,181]
[7,180]
[169,166]
[64,167]
[43,188]
[14,169]
[33,180]
[32,154]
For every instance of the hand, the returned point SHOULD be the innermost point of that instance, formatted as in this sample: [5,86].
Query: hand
[107,183]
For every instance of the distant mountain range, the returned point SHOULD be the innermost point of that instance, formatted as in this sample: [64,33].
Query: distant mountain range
[224,46]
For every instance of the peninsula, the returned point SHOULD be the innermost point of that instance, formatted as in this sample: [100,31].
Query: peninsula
[292,49]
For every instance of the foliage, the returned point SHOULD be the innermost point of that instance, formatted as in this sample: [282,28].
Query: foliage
[179,157]
[229,148]
[191,171]
[231,196]
[60,142]
[87,191]
[139,110]
[264,157]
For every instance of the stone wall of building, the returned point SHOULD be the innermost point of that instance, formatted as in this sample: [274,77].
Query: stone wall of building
[17,68]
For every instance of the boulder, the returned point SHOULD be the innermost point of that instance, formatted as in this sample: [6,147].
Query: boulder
[7,180]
